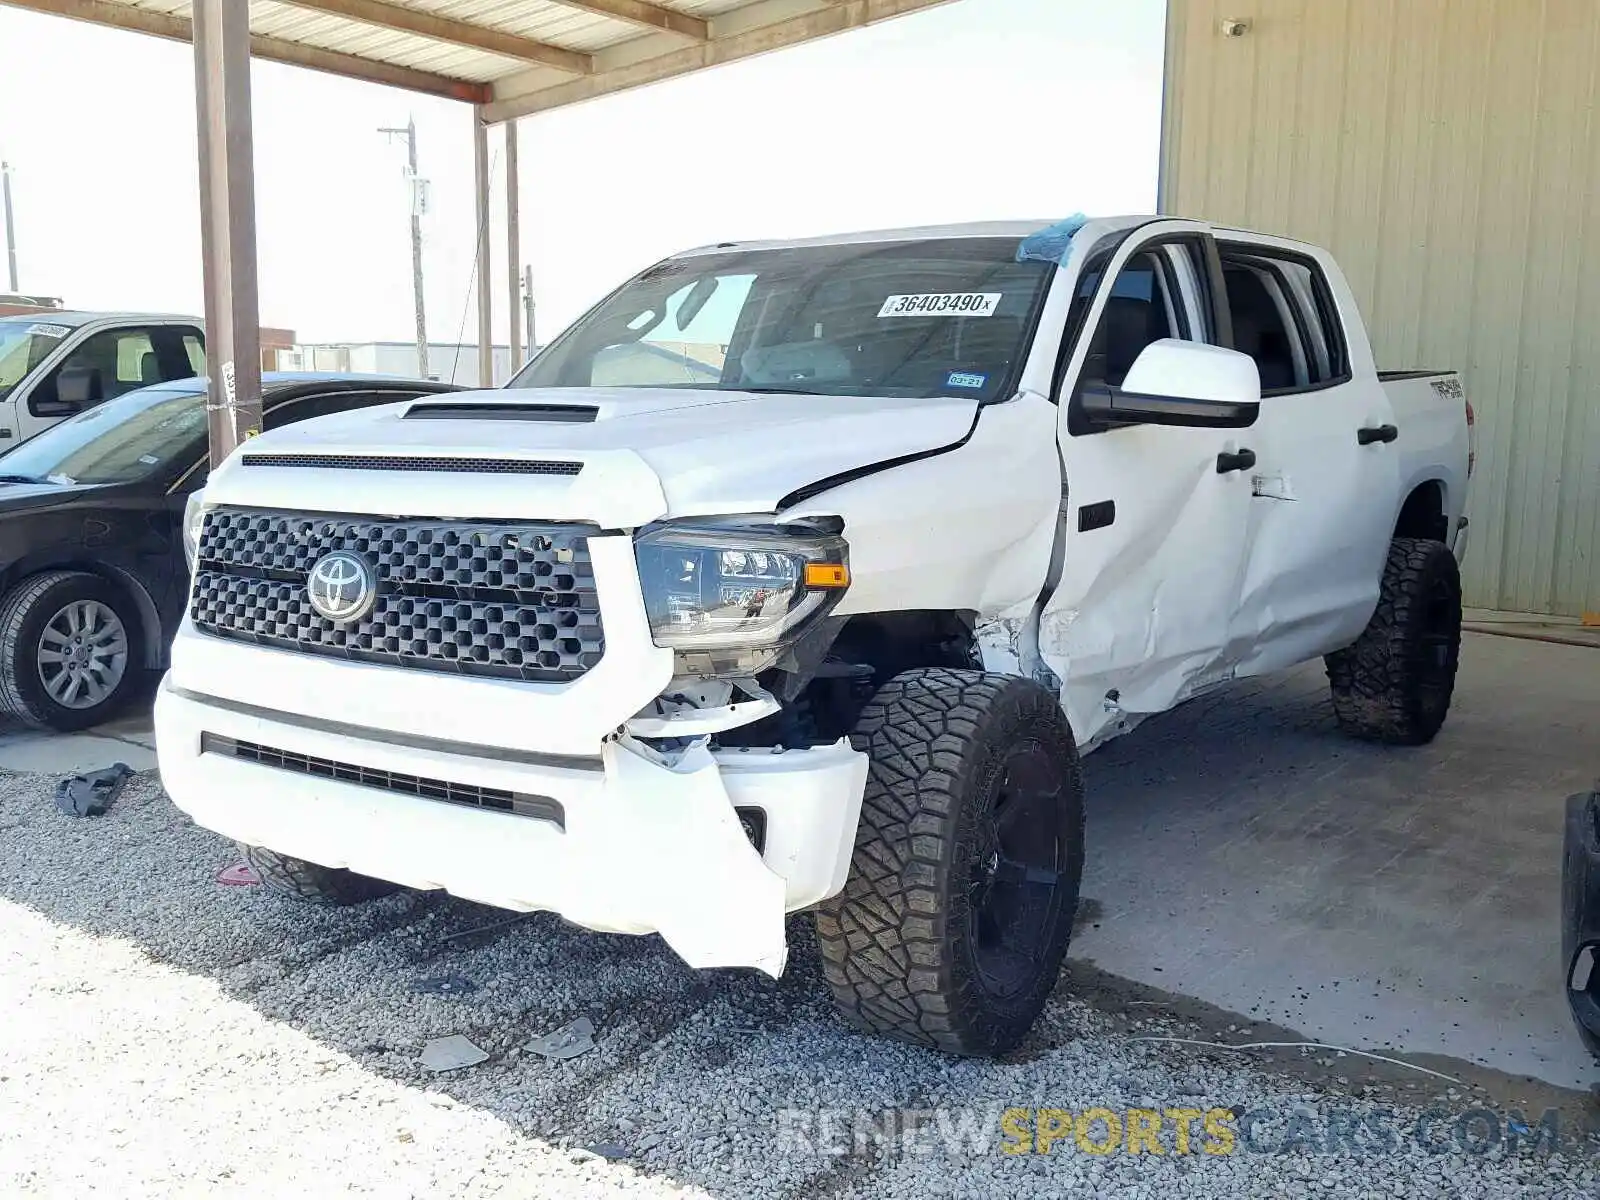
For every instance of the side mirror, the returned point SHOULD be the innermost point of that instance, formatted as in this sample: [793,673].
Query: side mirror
[76,389]
[1181,383]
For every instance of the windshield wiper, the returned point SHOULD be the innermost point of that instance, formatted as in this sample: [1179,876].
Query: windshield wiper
[780,391]
[19,479]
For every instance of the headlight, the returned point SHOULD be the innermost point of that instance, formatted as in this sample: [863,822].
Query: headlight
[731,594]
[194,519]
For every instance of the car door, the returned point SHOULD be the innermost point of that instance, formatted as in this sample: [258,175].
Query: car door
[1154,540]
[1323,490]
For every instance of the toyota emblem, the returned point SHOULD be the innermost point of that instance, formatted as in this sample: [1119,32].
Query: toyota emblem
[342,587]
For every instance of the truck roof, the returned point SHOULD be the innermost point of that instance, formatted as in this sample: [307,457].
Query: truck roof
[916,233]
[74,317]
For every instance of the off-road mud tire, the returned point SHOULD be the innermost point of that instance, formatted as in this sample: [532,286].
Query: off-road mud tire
[312,882]
[897,944]
[1394,685]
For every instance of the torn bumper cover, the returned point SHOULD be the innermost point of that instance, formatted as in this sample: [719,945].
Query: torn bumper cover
[625,842]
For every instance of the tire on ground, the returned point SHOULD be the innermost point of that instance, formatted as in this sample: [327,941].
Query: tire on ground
[1394,685]
[24,614]
[312,882]
[899,945]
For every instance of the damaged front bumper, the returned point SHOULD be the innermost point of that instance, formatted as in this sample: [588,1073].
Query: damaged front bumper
[628,841]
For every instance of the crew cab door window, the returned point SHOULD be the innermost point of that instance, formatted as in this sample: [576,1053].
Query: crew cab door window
[115,361]
[1284,318]
[1144,306]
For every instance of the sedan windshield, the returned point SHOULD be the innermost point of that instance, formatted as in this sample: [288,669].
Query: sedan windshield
[941,317]
[128,438]
[25,342]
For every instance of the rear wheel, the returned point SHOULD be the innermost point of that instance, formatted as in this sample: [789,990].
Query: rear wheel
[313,882]
[69,650]
[1395,684]
[952,927]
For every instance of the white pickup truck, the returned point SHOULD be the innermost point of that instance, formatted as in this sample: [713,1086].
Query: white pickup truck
[798,575]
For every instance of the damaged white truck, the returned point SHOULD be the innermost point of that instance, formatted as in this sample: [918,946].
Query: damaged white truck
[796,576]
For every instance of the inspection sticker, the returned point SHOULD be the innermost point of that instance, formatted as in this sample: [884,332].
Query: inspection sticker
[965,379]
[50,331]
[942,304]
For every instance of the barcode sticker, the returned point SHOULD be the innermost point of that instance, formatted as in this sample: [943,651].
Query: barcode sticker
[942,304]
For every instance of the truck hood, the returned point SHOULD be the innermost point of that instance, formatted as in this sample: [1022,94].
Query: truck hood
[619,457]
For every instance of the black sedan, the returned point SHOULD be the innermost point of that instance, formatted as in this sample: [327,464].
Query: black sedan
[92,571]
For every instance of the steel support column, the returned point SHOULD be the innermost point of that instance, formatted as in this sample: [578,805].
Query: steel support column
[513,250]
[228,222]
[480,163]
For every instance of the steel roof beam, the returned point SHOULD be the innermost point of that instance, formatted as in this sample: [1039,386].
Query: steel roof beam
[448,29]
[180,29]
[649,16]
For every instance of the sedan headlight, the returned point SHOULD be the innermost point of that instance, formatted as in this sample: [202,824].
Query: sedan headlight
[194,519]
[732,594]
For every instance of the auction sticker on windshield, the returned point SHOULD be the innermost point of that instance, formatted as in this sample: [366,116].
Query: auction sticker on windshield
[942,304]
[50,331]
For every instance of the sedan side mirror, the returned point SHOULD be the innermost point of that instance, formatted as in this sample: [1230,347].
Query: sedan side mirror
[1174,382]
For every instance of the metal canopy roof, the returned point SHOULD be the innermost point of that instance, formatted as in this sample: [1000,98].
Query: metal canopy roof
[512,57]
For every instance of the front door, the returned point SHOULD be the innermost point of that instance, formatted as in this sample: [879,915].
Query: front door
[1156,514]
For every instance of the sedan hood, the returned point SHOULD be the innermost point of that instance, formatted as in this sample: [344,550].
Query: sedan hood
[620,457]
[20,497]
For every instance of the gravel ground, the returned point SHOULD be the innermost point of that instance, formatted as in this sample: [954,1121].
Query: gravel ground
[168,1036]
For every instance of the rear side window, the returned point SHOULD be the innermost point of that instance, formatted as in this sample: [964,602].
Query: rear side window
[1284,318]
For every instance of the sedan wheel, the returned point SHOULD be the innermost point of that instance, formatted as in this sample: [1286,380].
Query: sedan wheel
[83,654]
[71,649]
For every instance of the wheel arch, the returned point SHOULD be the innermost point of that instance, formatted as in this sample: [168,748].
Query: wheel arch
[1424,513]
[153,645]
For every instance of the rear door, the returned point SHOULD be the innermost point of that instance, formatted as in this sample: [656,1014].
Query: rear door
[1327,477]
[1155,514]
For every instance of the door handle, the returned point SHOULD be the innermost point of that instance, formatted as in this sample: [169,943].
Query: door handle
[1241,461]
[1376,433]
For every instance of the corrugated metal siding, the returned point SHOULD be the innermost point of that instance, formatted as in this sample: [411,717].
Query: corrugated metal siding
[1447,151]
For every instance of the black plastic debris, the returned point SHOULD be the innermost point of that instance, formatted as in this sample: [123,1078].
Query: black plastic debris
[444,985]
[92,793]
[572,1039]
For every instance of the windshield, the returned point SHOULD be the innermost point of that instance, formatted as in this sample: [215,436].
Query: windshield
[949,317]
[24,344]
[128,438]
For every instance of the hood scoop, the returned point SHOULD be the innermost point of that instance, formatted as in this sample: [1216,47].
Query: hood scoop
[502,410]
[395,462]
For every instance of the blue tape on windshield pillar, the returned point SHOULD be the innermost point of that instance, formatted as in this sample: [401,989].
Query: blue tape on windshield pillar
[1052,243]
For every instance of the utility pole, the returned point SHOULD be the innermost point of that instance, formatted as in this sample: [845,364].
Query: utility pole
[527,307]
[418,188]
[11,224]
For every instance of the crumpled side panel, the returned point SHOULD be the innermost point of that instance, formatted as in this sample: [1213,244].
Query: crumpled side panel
[1141,619]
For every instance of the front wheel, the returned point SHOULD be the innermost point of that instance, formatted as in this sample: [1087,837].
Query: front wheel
[313,882]
[951,929]
[69,650]
[1395,684]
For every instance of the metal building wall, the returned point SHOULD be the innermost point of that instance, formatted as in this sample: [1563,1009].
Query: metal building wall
[1448,152]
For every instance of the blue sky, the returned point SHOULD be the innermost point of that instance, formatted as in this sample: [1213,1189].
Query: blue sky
[979,109]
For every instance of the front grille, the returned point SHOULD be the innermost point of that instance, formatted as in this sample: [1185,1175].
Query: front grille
[475,598]
[522,804]
[397,462]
